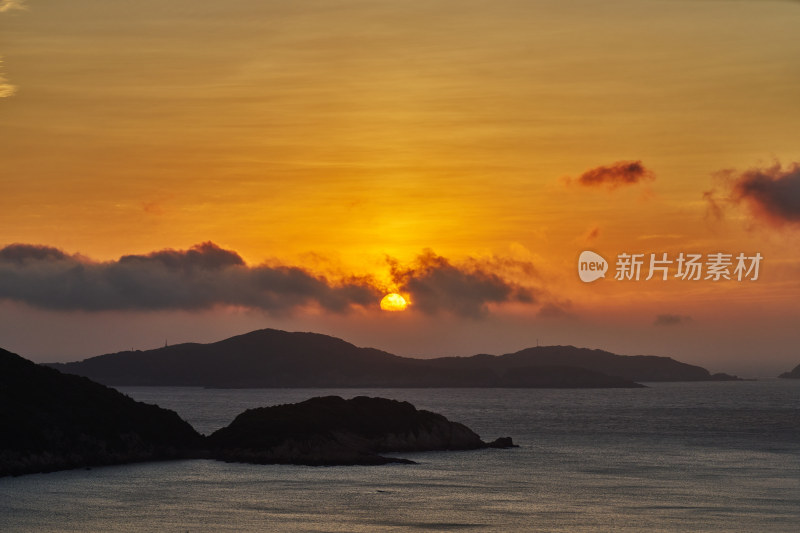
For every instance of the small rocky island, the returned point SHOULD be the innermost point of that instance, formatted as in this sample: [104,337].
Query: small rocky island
[53,421]
[334,431]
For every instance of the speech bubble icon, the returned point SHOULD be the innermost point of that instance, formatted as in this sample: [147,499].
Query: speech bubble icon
[591,266]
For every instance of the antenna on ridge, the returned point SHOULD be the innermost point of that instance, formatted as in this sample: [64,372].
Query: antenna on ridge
[165,343]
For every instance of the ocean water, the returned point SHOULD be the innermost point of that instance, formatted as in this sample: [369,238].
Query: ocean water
[671,457]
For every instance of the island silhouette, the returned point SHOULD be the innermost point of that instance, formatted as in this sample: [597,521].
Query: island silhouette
[274,358]
[53,421]
[62,415]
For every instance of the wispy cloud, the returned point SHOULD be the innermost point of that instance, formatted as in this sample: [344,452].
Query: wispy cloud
[555,310]
[592,234]
[715,207]
[437,285]
[672,320]
[6,89]
[615,175]
[8,5]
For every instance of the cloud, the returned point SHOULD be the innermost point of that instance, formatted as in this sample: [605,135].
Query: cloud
[25,254]
[206,275]
[152,208]
[6,89]
[555,310]
[592,234]
[771,194]
[436,285]
[9,5]
[714,207]
[199,278]
[672,320]
[616,175]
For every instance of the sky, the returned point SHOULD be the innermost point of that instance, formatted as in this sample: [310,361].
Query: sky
[188,170]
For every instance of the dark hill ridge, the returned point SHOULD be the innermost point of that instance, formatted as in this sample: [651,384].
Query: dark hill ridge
[274,358]
[52,421]
[632,367]
[263,358]
[794,374]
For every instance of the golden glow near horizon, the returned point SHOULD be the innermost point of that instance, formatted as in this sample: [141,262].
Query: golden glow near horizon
[393,302]
[276,129]
[290,134]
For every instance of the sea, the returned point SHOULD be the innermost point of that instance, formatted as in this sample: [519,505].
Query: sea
[719,456]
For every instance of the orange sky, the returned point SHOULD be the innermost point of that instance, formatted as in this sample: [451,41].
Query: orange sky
[330,135]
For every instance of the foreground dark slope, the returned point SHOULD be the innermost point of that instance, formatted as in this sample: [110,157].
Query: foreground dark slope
[273,358]
[52,421]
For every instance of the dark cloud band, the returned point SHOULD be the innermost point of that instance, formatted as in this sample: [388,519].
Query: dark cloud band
[206,275]
[202,277]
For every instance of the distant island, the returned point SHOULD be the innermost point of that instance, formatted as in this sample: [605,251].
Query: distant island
[274,358]
[53,421]
[793,374]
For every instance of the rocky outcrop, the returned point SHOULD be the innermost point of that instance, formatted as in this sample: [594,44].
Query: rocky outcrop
[53,421]
[794,374]
[333,431]
[722,376]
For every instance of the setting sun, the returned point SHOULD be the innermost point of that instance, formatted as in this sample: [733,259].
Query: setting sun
[393,302]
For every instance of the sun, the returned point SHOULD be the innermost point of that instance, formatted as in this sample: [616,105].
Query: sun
[393,302]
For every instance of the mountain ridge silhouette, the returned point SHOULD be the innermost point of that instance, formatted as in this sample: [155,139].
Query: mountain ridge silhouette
[268,358]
